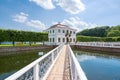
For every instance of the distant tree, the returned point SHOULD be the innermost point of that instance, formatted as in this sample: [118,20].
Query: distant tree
[12,36]
[114,31]
[98,31]
[22,36]
[2,38]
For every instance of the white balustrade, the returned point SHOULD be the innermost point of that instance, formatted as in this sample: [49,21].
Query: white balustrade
[76,71]
[38,69]
[100,44]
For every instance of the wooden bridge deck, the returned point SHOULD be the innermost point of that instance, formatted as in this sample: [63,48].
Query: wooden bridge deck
[61,69]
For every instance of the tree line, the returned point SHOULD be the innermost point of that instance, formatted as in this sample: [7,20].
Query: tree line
[103,33]
[22,36]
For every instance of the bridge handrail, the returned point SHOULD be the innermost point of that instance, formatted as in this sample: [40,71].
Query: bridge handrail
[100,44]
[37,69]
[76,71]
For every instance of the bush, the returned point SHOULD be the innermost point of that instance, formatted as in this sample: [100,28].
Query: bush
[88,39]
[99,39]
[22,36]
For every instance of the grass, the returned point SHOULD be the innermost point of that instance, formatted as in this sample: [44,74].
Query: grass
[8,45]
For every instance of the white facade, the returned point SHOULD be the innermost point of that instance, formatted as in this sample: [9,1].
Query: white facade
[59,33]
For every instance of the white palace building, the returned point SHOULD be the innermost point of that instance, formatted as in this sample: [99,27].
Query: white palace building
[60,33]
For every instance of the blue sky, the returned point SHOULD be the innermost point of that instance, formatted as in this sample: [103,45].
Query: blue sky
[37,15]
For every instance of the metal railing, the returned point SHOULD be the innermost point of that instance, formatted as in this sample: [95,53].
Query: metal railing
[39,69]
[100,44]
[76,71]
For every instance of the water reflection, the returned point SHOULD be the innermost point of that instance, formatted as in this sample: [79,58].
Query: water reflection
[96,54]
[12,62]
[85,57]
[99,66]
[40,53]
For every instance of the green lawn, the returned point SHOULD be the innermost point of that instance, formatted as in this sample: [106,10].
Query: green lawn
[5,45]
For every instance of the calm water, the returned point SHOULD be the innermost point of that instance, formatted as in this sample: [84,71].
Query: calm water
[99,66]
[9,64]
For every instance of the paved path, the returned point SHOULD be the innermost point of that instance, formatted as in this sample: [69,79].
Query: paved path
[60,70]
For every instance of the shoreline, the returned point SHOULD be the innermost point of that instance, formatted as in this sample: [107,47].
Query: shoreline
[107,50]
[23,48]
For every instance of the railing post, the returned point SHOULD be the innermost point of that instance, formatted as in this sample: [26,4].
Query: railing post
[36,72]
[52,57]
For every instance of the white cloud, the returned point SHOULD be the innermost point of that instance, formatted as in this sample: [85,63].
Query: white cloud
[47,4]
[78,24]
[36,24]
[23,18]
[71,6]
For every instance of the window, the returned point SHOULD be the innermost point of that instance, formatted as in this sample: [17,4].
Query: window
[59,30]
[63,39]
[67,31]
[58,39]
[50,39]
[70,39]
[63,31]
[53,39]
[53,31]
[74,32]
[50,31]
[70,32]
[74,39]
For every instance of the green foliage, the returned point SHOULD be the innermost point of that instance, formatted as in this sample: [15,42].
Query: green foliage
[95,39]
[1,35]
[22,36]
[114,31]
[88,39]
[118,39]
[104,33]
[98,31]
[110,39]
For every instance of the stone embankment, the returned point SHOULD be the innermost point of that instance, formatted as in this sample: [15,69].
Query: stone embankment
[95,48]
[23,48]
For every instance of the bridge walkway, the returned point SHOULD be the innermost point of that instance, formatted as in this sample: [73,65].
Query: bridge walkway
[61,68]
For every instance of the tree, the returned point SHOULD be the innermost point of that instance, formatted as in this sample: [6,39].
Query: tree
[98,31]
[114,31]
[2,38]
[22,36]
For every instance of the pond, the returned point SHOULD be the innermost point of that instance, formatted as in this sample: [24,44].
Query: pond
[99,66]
[13,61]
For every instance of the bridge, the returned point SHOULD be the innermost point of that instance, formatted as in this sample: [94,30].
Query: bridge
[58,64]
